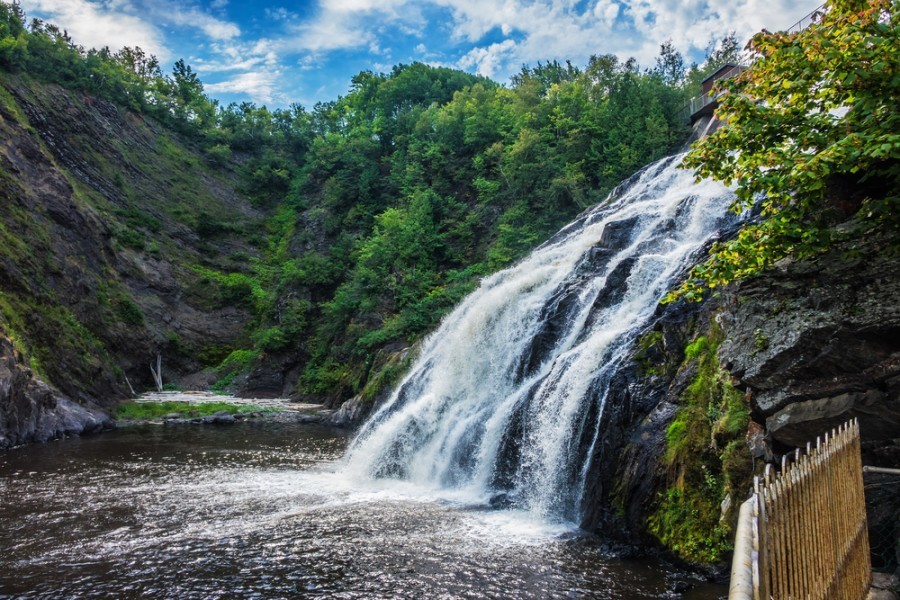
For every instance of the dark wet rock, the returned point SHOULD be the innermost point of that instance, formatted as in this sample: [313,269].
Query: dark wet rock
[818,343]
[554,320]
[627,467]
[32,411]
[618,233]
[222,418]
[351,413]
[502,501]
[264,382]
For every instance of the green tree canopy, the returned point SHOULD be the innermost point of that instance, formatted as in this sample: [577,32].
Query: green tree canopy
[812,132]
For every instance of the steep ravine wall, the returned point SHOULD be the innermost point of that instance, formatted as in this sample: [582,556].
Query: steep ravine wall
[104,216]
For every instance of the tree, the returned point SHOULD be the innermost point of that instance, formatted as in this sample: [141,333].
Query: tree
[813,129]
[669,64]
[725,51]
[13,36]
[145,66]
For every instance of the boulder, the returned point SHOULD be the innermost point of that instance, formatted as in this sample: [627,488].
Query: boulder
[351,413]
[32,411]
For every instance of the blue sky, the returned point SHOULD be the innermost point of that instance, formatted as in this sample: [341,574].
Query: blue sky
[307,51]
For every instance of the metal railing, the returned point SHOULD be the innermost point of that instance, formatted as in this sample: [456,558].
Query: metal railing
[802,533]
[806,21]
[696,103]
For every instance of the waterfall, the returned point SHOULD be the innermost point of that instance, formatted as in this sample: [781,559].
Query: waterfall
[506,396]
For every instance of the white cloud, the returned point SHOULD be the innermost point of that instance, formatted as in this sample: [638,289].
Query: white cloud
[529,30]
[278,14]
[214,28]
[327,35]
[120,23]
[95,25]
[607,11]
[486,61]
[550,29]
[351,24]
[260,86]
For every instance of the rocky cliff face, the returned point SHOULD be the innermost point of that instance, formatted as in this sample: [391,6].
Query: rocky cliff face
[808,345]
[818,343]
[104,220]
[32,411]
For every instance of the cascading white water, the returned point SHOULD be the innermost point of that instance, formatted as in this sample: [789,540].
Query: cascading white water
[507,394]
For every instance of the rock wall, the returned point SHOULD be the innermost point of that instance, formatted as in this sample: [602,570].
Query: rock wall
[104,219]
[630,472]
[809,345]
[32,411]
[818,343]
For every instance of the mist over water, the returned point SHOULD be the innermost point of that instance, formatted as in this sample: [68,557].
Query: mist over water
[506,396]
[263,511]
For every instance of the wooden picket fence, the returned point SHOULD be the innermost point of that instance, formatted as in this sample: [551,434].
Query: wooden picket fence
[802,533]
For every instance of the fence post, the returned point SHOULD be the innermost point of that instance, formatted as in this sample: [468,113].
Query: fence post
[802,533]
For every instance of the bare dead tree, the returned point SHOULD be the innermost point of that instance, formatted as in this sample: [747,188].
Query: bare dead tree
[157,373]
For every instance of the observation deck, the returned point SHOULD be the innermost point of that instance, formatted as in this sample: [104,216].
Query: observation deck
[704,104]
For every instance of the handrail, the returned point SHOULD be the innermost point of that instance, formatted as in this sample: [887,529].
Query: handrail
[802,533]
[695,104]
[805,21]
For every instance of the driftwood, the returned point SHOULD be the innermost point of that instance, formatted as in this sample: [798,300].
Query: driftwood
[157,373]
[133,394]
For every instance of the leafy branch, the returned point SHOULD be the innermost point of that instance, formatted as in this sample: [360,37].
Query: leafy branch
[812,134]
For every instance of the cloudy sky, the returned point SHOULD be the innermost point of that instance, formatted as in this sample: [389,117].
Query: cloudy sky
[276,53]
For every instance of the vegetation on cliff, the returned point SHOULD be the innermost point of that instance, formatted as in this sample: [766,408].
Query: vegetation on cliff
[99,232]
[706,457]
[813,129]
[382,208]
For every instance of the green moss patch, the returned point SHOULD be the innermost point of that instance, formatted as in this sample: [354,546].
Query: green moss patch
[236,363]
[148,411]
[707,460]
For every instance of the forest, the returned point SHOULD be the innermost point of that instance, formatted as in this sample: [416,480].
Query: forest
[386,205]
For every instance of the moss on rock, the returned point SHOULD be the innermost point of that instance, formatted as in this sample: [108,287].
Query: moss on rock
[707,461]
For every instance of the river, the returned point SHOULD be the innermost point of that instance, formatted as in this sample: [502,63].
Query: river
[264,510]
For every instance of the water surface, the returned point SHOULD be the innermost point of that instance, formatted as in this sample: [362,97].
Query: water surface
[262,510]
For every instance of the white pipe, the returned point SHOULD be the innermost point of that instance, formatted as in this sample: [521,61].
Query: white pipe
[741,585]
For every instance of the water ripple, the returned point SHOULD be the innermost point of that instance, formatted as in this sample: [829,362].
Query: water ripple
[263,512]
